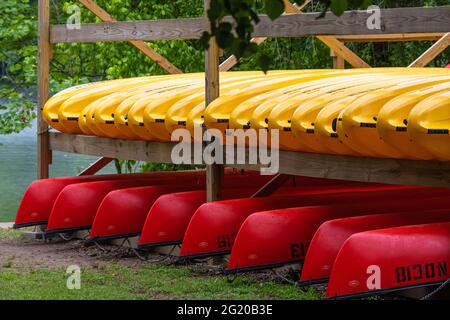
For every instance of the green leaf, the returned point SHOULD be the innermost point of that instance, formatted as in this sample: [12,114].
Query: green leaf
[339,6]
[274,8]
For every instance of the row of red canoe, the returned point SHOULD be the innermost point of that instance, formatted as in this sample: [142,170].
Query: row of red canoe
[360,238]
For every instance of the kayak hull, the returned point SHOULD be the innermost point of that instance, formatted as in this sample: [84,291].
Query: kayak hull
[389,260]
[332,234]
[214,226]
[281,237]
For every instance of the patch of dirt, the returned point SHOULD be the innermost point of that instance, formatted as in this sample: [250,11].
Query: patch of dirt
[30,254]
[34,254]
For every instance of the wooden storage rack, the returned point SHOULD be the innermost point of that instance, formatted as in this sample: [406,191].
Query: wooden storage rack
[401,24]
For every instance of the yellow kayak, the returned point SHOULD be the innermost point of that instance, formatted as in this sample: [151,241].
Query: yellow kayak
[357,129]
[102,114]
[325,127]
[163,116]
[429,125]
[217,115]
[186,112]
[392,121]
[51,108]
[70,110]
[243,115]
[303,136]
[281,116]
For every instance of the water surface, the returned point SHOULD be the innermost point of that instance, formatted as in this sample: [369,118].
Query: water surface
[18,168]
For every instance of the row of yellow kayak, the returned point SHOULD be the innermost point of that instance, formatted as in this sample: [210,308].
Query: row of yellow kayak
[380,112]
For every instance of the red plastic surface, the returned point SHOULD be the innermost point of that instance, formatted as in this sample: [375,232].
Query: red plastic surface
[123,212]
[331,235]
[214,226]
[279,237]
[379,261]
[40,196]
[77,204]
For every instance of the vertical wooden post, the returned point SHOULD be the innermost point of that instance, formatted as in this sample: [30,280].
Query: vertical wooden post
[338,62]
[214,172]
[43,143]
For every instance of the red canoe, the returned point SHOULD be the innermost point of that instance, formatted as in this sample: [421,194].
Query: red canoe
[169,217]
[166,226]
[122,213]
[280,237]
[215,225]
[331,235]
[40,196]
[77,204]
[387,260]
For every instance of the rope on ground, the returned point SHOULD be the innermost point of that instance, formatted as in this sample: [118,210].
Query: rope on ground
[141,257]
[438,289]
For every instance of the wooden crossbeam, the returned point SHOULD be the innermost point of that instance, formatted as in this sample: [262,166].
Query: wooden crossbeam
[273,185]
[96,166]
[340,50]
[432,52]
[140,45]
[418,36]
[395,21]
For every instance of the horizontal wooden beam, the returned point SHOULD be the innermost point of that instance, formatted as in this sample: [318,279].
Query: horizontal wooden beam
[419,36]
[407,172]
[112,148]
[394,21]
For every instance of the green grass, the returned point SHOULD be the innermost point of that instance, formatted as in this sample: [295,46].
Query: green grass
[10,234]
[149,282]
[152,281]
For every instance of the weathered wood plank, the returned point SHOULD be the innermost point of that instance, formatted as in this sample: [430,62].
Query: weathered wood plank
[271,186]
[214,172]
[341,51]
[394,21]
[43,149]
[140,45]
[338,62]
[420,36]
[112,148]
[408,172]
[96,166]
[432,52]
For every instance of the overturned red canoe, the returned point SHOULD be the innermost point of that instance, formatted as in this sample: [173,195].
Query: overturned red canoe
[40,196]
[214,226]
[280,237]
[122,213]
[169,217]
[331,235]
[76,205]
[387,260]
